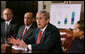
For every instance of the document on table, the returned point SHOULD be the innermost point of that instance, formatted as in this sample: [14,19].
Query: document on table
[21,48]
[18,48]
[63,33]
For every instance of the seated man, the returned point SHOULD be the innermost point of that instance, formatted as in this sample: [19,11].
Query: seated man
[26,30]
[8,27]
[77,45]
[46,37]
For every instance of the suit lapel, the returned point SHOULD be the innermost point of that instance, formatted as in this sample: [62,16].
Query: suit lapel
[30,30]
[45,34]
[27,33]
[37,35]
[9,27]
[42,38]
[21,31]
[3,27]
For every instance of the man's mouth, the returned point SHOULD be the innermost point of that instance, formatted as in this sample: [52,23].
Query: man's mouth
[38,24]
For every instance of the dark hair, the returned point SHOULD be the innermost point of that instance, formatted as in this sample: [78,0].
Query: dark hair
[81,23]
[31,13]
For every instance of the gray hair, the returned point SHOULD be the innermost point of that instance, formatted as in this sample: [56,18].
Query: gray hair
[46,14]
[8,9]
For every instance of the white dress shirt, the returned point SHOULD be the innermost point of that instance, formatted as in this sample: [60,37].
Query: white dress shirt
[8,22]
[27,27]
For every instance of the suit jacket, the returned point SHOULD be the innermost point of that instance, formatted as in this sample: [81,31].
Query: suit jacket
[77,46]
[11,30]
[29,32]
[50,40]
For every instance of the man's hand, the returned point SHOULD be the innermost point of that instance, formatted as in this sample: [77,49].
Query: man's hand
[12,40]
[22,44]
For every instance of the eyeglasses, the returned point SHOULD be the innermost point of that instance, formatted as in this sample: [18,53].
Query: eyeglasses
[6,14]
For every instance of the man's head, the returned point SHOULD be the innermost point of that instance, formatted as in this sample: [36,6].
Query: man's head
[42,19]
[7,14]
[28,18]
[79,29]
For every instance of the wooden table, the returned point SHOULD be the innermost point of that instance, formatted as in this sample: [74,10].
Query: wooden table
[8,48]
[68,37]
[5,48]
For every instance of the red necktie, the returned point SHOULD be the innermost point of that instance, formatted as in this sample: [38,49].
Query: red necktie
[39,37]
[24,32]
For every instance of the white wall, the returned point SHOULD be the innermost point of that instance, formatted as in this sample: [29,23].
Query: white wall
[48,4]
[40,5]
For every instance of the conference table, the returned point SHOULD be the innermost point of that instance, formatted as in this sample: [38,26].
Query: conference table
[66,38]
[7,48]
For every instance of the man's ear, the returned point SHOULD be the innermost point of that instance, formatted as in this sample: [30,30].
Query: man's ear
[33,20]
[12,15]
[48,20]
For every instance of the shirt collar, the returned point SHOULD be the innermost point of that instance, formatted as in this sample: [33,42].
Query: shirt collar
[8,22]
[44,29]
[28,26]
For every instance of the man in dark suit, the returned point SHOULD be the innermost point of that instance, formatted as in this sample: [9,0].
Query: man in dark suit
[9,27]
[46,37]
[30,25]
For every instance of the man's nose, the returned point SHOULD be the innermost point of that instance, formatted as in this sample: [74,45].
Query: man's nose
[38,21]
[6,15]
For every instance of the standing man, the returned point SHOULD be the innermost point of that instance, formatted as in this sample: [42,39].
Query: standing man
[25,31]
[9,27]
[46,37]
